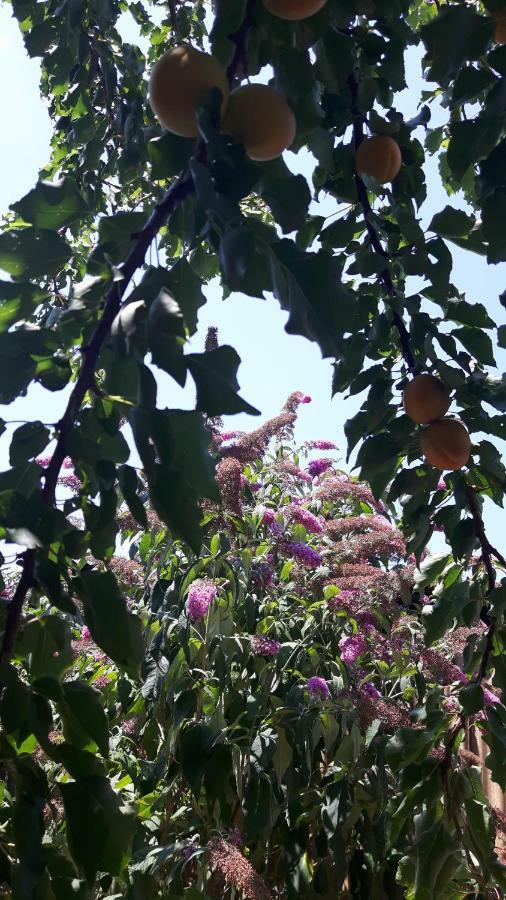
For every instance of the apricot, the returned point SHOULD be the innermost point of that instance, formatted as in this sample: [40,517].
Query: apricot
[425,399]
[446,444]
[500,32]
[180,81]
[259,117]
[294,10]
[380,157]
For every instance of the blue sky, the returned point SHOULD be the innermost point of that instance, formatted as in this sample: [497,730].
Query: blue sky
[273,363]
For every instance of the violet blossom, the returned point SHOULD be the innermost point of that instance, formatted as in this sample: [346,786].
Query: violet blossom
[322,445]
[317,687]
[318,466]
[304,517]
[264,646]
[303,553]
[353,647]
[369,690]
[200,596]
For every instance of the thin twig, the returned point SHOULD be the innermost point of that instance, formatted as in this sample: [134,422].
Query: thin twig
[358,137]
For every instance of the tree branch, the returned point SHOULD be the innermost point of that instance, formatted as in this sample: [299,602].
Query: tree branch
[488,552]
[358,137]
[178,191]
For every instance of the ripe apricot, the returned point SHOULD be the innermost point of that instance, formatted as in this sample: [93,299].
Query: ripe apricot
[380,157]
[259,117]
[500,32]
[180,81]
[446,444]
[294,10]
[425,399]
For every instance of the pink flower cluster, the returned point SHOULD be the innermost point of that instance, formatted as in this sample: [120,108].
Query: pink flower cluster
[200,596]
[303,554]
[317,687]
[322,445]
[353,647]
[318,466]
[369,690]
[343,488]
[344,600]
[269,520]
[304,517]
[70,481]
[229,478]
[442,667]
[264,646]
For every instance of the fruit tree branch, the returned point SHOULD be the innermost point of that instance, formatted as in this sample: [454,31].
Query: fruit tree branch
[178,191]
[358,137]
[488,552]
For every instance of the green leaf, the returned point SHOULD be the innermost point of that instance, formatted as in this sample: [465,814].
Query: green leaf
[215,376]
[27,253]
[244,263]
[169,154]
[129,484]
[18,300]
[27,441]
[430,569]
[494,210]
[116,630]
[471,141]
[471,699]
[52,205]
[182,282]
[477,343]
[45,645]
[167,335]
[452,222]
[308,286]
[458,33]
[195,746]
[87,712]
[287,195]
[448,607]
[99,827]
[436,858]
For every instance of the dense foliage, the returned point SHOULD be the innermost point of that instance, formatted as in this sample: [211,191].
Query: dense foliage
[105,261]
[284,734]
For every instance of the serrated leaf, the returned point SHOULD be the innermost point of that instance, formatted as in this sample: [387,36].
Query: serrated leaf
[99,828]
[52,205]
[27,253]
[116,630]
[215,376]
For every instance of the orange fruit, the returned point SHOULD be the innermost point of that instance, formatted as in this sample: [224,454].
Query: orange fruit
[500,32]
[180,82]
[294,10]
[446,444]
[425,399]
[259,117]
[380,157]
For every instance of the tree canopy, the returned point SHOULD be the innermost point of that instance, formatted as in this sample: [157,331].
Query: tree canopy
[105,262]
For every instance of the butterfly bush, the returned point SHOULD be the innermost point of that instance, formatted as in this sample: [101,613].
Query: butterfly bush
[287,665]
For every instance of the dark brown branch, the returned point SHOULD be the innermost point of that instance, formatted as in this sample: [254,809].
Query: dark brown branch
[358,137]
[179,190]
[488,551]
